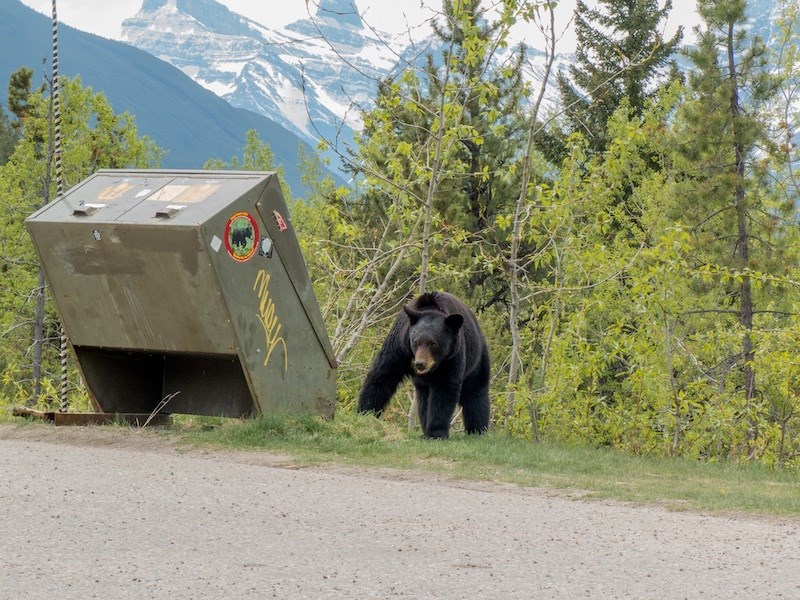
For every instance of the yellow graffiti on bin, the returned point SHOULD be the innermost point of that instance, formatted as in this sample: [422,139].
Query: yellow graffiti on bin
[269,320]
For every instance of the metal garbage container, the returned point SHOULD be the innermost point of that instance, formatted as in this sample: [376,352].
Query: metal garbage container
[187,285]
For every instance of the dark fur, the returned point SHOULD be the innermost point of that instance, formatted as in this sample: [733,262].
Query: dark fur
[445,330]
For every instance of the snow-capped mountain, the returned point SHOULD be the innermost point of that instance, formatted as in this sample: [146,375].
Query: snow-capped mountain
[313,76]
[310,77]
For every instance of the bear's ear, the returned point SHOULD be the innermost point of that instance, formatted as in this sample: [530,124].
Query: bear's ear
[454,322]
[413,315]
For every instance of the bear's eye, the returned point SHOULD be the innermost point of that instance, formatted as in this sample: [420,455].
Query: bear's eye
[434,346]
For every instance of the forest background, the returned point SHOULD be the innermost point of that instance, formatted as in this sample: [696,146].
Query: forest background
[632,254]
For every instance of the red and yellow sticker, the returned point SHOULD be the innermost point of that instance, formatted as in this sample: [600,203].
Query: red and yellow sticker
[241,236]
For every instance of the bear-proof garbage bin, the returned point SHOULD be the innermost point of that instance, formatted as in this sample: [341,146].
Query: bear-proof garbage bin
[188,286]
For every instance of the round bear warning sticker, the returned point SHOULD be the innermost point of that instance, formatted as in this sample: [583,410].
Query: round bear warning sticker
[241,236]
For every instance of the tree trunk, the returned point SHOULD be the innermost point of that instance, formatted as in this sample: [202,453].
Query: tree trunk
[742,249]
[38,338]
[515,362]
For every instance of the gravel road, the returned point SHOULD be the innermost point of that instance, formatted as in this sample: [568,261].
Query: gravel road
[113,513]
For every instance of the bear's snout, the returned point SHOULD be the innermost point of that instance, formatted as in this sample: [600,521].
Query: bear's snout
[423,361]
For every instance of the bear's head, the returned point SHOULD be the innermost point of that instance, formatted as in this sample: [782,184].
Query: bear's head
[433,337]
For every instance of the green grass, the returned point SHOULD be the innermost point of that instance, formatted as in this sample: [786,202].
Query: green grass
[363,441]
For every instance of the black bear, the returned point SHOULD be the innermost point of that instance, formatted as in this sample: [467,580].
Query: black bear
[437,342]
[240,236]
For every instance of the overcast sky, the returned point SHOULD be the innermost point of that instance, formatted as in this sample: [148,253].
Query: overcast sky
[393,16]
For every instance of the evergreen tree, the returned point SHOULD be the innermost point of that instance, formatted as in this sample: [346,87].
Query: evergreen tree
[724,197]
[7,137]
[621,54]
[494,112]
[20,88]
[495,117]
[621,64]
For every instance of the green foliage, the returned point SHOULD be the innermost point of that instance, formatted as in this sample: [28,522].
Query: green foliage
[19,94]
[614,280]
[723,197]
[443,140]
[256,156]
[16,386]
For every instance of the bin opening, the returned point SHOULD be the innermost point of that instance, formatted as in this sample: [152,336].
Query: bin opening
[136,382]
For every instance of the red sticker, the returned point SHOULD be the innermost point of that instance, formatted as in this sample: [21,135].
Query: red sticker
[279,220]
[241,236]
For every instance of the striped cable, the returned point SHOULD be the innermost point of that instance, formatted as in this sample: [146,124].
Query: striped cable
[63,355]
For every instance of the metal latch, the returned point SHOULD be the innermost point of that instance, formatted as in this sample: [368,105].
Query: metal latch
[169,211]
[85,210]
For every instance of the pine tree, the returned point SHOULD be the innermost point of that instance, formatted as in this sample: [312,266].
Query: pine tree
[723,197]
[494,111]
[20,88]
[621,64]
[621,54]
[7,137]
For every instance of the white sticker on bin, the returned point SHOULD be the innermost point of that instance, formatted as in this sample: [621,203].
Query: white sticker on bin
[216,244]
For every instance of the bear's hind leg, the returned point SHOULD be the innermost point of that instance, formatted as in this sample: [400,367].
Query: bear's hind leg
[475,410]
[474,399]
